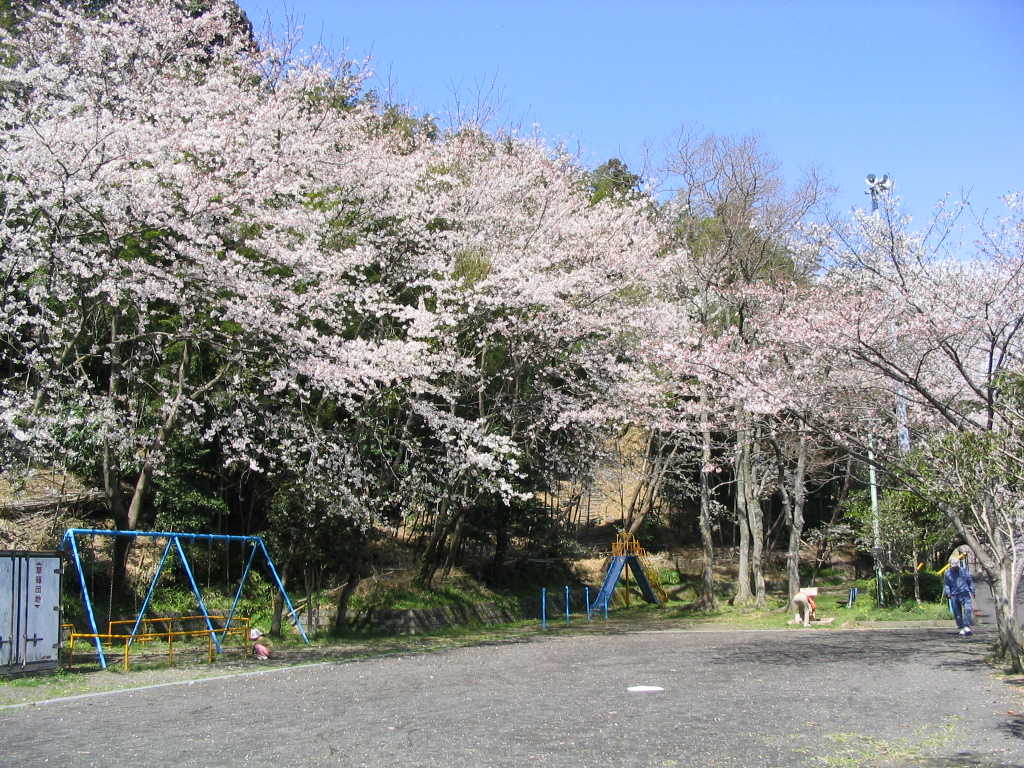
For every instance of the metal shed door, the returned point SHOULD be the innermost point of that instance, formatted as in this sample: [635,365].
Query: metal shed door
[29,610]
[41,638]
[8,599]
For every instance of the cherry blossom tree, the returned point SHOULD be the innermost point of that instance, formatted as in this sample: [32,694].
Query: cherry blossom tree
[532,313]
[221,242]
[740,223]
[941,336]
[170,242]
[118,182]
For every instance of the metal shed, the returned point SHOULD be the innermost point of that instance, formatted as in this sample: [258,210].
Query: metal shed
[30,616]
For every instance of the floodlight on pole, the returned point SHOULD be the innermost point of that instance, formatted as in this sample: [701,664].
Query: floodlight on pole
[877,186]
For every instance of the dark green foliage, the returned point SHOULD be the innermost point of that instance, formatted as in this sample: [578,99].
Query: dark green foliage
[821,577]
[311,541]
[7,19]
[911,530]
[189,496]
[613,179]
[931,586]
[898,589]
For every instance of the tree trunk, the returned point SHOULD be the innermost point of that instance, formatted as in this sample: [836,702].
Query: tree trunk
[127,518]
[341,619]
[1003,592]
[454,547]
[643,482]
[707,599]
[112,474]
[276,621]
[998,561]
[797,502]
[502,540]
[652,483]
[750,517]
[743,594]
[433,557]
[119,514]
[792,556]
[757,547]
[311,581]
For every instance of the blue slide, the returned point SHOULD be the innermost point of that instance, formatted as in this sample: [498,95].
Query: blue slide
[612,578]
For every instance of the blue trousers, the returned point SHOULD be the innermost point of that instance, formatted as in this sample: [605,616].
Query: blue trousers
[963,610]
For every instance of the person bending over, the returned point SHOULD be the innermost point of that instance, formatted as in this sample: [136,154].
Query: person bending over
[805,608]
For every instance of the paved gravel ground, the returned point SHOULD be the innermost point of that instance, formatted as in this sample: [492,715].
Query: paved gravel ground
[912,696]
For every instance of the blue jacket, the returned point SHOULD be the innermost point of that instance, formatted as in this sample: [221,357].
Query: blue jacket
[958,582]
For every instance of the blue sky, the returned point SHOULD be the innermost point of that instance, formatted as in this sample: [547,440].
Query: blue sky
[929,91]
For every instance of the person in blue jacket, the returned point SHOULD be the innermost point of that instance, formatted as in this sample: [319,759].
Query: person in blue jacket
[958,586]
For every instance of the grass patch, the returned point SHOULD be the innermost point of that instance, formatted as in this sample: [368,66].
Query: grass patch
[857,750]
[730,616]
[36,687]
[403,593]
[39,680]
[909,612]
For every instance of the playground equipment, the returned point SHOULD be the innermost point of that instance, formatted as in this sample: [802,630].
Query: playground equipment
[626,551]
[163,629]
[961,556]
[70,544]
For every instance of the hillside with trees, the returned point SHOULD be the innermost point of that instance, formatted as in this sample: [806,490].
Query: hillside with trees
[243,294]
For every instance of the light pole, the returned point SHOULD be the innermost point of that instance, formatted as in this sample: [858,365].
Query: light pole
[876,527]
[876,186]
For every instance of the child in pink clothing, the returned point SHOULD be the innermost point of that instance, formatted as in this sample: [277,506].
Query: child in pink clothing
[259,651]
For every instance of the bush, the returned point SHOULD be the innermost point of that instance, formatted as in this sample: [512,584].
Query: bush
[931,586]
[401,591]
[822,577]
[899,589]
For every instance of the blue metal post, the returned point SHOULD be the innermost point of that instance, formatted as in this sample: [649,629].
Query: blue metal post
[586,593]
[567,605]
[284,594]
[195,589]
[149,594]
[238,594]
[606,607]
[543,607]
[69,536]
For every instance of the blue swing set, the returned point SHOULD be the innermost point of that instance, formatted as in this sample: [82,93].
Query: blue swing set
[70,543]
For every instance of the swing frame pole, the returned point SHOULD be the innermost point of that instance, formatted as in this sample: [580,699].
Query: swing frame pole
[195,591]
[149,593]
[284,594]
[238,594]
[86,597]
